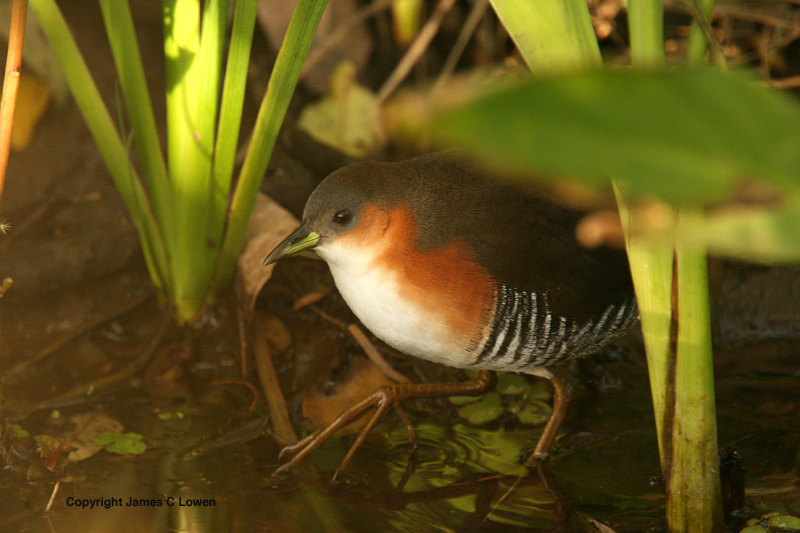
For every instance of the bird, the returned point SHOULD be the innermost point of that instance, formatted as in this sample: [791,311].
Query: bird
[444,263]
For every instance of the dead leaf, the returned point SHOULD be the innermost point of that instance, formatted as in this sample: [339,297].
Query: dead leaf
[85,428]
[270,386]
[273,328]
[601,228]
[269,225]
[602,527]
[361,380]
[33,97]
[347,118]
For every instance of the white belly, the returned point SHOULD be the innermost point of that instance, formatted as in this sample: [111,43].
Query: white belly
[373,296]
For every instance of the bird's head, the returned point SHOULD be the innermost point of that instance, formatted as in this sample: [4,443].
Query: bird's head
[346,212]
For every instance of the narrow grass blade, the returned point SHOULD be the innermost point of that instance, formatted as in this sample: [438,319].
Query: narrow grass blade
[698,39]
[122,37]
[550,34]
[233,93]
[295,47]
[651,268]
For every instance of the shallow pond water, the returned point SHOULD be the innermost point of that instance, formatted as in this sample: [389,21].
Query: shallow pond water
[462,478]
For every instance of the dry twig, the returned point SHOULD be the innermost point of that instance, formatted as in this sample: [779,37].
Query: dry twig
[415,51]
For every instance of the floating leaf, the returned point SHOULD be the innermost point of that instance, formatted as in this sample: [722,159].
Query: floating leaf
[784,522]
[534,413]
[85,428]
[488,408]
[539,391]
[121,443]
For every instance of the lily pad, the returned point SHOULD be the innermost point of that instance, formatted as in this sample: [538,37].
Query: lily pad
[784,522]
[121,443]
[534,413]
[484,410]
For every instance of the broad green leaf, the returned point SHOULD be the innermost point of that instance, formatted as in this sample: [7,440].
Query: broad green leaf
[682,135]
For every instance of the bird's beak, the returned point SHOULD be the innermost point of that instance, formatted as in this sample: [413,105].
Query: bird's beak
[301,239]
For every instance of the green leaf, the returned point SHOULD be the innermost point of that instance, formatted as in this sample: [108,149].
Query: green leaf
[273,108]
[535,413]
[488,408]
[550,34]
[19,432]
[682,135]
[122,444]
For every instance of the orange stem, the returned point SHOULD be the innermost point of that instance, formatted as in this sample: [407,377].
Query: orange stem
[16,37]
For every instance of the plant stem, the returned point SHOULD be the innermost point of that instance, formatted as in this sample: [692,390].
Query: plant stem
[646,26]
[284,77]
[16,37]
[693,485]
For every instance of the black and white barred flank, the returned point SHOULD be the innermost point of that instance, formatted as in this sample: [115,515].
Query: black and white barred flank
[525,334]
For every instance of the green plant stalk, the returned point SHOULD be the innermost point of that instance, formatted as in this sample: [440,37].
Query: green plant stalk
[646,25]
[650,262]
[672,290]
[284,77]
[698,44]
[105,134]
[193,53]
[651,269]
[550,34]
[122,38]
[230,115]
[694,500]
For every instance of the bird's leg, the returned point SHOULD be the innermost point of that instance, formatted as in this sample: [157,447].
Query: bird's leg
[386,397]
[562,397]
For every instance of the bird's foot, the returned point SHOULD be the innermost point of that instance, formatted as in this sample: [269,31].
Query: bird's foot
[383,399]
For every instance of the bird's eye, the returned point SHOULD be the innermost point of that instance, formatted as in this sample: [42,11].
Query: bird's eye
[342,217]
